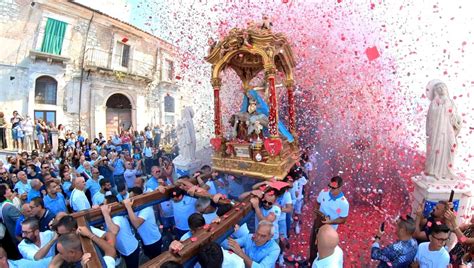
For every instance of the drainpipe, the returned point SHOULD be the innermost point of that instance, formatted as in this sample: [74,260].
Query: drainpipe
[82,67]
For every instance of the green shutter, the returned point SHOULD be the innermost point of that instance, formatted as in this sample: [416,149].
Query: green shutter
[53,36]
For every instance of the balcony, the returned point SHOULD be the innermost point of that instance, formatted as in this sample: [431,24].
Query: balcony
[97,59]
[50,58]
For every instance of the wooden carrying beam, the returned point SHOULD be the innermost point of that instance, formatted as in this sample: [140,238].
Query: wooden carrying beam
[88,246]
[210,233]
[94,215]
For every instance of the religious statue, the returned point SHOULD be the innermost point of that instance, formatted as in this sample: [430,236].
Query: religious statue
[249,125]
[266,23]
[442,126]
[186,135]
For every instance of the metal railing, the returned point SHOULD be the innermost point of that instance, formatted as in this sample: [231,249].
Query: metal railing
[99,58]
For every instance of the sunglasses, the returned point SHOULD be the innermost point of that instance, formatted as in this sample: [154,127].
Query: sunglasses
[267,202]
[332,187]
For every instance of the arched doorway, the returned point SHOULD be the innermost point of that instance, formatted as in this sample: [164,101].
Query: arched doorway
[118,114]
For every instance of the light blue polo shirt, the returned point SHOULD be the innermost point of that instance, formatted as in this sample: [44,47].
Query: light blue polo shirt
[98,198]
[277,211]
[66,186]
[79,201]
[55,205]
[148,231]
[264,256]
[209,217]
[151,184]
[167,209]
[126,242]
[119,167]
[186,236]
[333,206]
[32,194]
[93,186]
[22,188]
[182,210]
[282,201]
[212,187]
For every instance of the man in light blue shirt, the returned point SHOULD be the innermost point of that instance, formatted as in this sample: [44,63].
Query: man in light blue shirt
[152,182]
[54,200]
[144,222]
[23,186]
[257,250]
[35,189]
[21,263]
[99,197]
[78,197]
[93,184]
[196,222]
[126,243]
[183,207]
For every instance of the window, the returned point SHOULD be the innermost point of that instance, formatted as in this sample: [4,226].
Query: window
[169,70]
[53,36]
[48,116]
[123,54]
[46,88]
[169,104]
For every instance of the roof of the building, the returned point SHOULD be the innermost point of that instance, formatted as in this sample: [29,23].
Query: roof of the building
[121,21]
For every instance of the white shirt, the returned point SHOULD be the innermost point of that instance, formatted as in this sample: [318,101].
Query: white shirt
[126,241]
[275,210]
[28,250]
[148,231]
[298,185]
[283,200]
[109,262]
[431,259]
[79,200]
[336,260]
[334,209]
[232,260]
[21,263]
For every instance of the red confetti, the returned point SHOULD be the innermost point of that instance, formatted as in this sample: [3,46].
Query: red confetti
[372,53]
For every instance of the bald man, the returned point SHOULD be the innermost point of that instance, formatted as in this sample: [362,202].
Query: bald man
[330,255]
[79,199]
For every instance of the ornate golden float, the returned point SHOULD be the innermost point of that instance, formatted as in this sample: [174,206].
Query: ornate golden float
[259,145]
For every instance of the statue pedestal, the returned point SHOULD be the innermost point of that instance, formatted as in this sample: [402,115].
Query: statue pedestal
[185,166]
[430,189]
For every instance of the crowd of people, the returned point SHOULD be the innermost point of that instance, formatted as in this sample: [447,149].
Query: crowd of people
[40,190]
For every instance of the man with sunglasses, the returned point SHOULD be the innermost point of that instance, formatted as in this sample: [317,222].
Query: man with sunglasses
[331,208]
[402,252]
[333,204]
[268,211]
[433,254]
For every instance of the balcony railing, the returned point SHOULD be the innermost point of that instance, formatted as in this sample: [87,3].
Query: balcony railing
[106,60]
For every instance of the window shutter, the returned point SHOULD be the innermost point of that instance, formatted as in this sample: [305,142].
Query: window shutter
[53,36]
[125,55]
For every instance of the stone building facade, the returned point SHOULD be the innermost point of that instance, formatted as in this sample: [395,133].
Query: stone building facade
[69,64]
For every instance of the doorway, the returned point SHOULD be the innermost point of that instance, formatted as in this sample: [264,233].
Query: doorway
[118,114]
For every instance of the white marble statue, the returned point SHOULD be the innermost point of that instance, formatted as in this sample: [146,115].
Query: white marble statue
[186,135]
[442,126]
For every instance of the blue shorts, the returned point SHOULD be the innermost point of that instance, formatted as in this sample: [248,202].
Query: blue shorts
[15,133]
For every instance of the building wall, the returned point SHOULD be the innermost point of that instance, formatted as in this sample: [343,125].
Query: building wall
[22,30]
